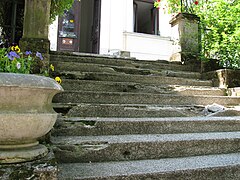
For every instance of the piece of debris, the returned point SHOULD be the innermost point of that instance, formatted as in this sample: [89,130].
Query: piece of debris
[209,109]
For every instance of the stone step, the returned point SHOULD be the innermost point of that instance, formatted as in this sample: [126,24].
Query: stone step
[139,147]
[127,110]
[121,62]
[108,86]
[146,79]
[211,167]
[141,98]
[77,126]
[233,91]
[88,67]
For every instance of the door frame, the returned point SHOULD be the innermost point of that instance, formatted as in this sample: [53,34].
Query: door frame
[96,27]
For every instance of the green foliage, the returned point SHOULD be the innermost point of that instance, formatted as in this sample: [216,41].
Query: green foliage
[220,28]
[12,60]
[59,6]
[184,6]
[219,25]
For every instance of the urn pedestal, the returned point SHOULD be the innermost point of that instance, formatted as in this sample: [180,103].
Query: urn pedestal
[26,114]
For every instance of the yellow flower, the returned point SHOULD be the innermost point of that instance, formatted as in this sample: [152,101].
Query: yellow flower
[17,49]
[52,67]
[58,79]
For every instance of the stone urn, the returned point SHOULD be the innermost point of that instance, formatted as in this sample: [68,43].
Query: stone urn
[26,114]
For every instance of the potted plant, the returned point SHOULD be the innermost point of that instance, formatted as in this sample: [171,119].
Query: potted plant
[26,112]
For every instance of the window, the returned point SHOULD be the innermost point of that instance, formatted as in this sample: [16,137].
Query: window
[68,25]
[146,17]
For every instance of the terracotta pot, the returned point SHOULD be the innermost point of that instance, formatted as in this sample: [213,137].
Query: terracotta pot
[26,114]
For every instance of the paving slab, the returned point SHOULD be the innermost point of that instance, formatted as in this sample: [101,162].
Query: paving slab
[210,167]
[144,146]
[90,67]
[77,126]
[127,62]
[142,98]
[109,86]
[122,77]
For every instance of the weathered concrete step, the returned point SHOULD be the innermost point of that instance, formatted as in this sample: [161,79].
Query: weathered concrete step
[141,98]
[77,126]
[127,110]
[122,62]
[211,167]
[139,147]
[109,86]
[223,77]
[233,91]
[146,79]
[87,67]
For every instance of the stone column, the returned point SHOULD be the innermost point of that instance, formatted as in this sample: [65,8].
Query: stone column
[35,28]
[186,38]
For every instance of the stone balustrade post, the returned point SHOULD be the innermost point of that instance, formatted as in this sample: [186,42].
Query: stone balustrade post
[35,28]
[186,37]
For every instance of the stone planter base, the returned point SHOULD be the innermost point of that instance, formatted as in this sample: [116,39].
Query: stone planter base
[29,127]
[17,155]
[26,114]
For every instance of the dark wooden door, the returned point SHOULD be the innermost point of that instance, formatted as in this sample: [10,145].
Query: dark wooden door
[96,26]
[69,29]
[155,21]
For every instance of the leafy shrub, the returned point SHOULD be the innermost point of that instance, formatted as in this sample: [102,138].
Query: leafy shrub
[220,29]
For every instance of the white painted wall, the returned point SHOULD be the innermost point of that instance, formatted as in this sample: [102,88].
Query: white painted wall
[148,47]
[117,32]
[164,18]
[116,17]
[52,35]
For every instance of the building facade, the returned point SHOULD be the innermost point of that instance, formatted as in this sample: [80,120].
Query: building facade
[110,27]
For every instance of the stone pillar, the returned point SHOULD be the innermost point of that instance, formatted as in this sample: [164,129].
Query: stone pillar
[35,28]
[186,38]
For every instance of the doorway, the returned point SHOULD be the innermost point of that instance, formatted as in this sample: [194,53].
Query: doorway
[79,28]
[69,30]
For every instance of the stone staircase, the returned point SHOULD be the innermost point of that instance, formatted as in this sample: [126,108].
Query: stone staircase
[130,119]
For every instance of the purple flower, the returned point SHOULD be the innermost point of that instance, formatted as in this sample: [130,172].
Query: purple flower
[12,54]
[10,57]
[28,53]
[38,54]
